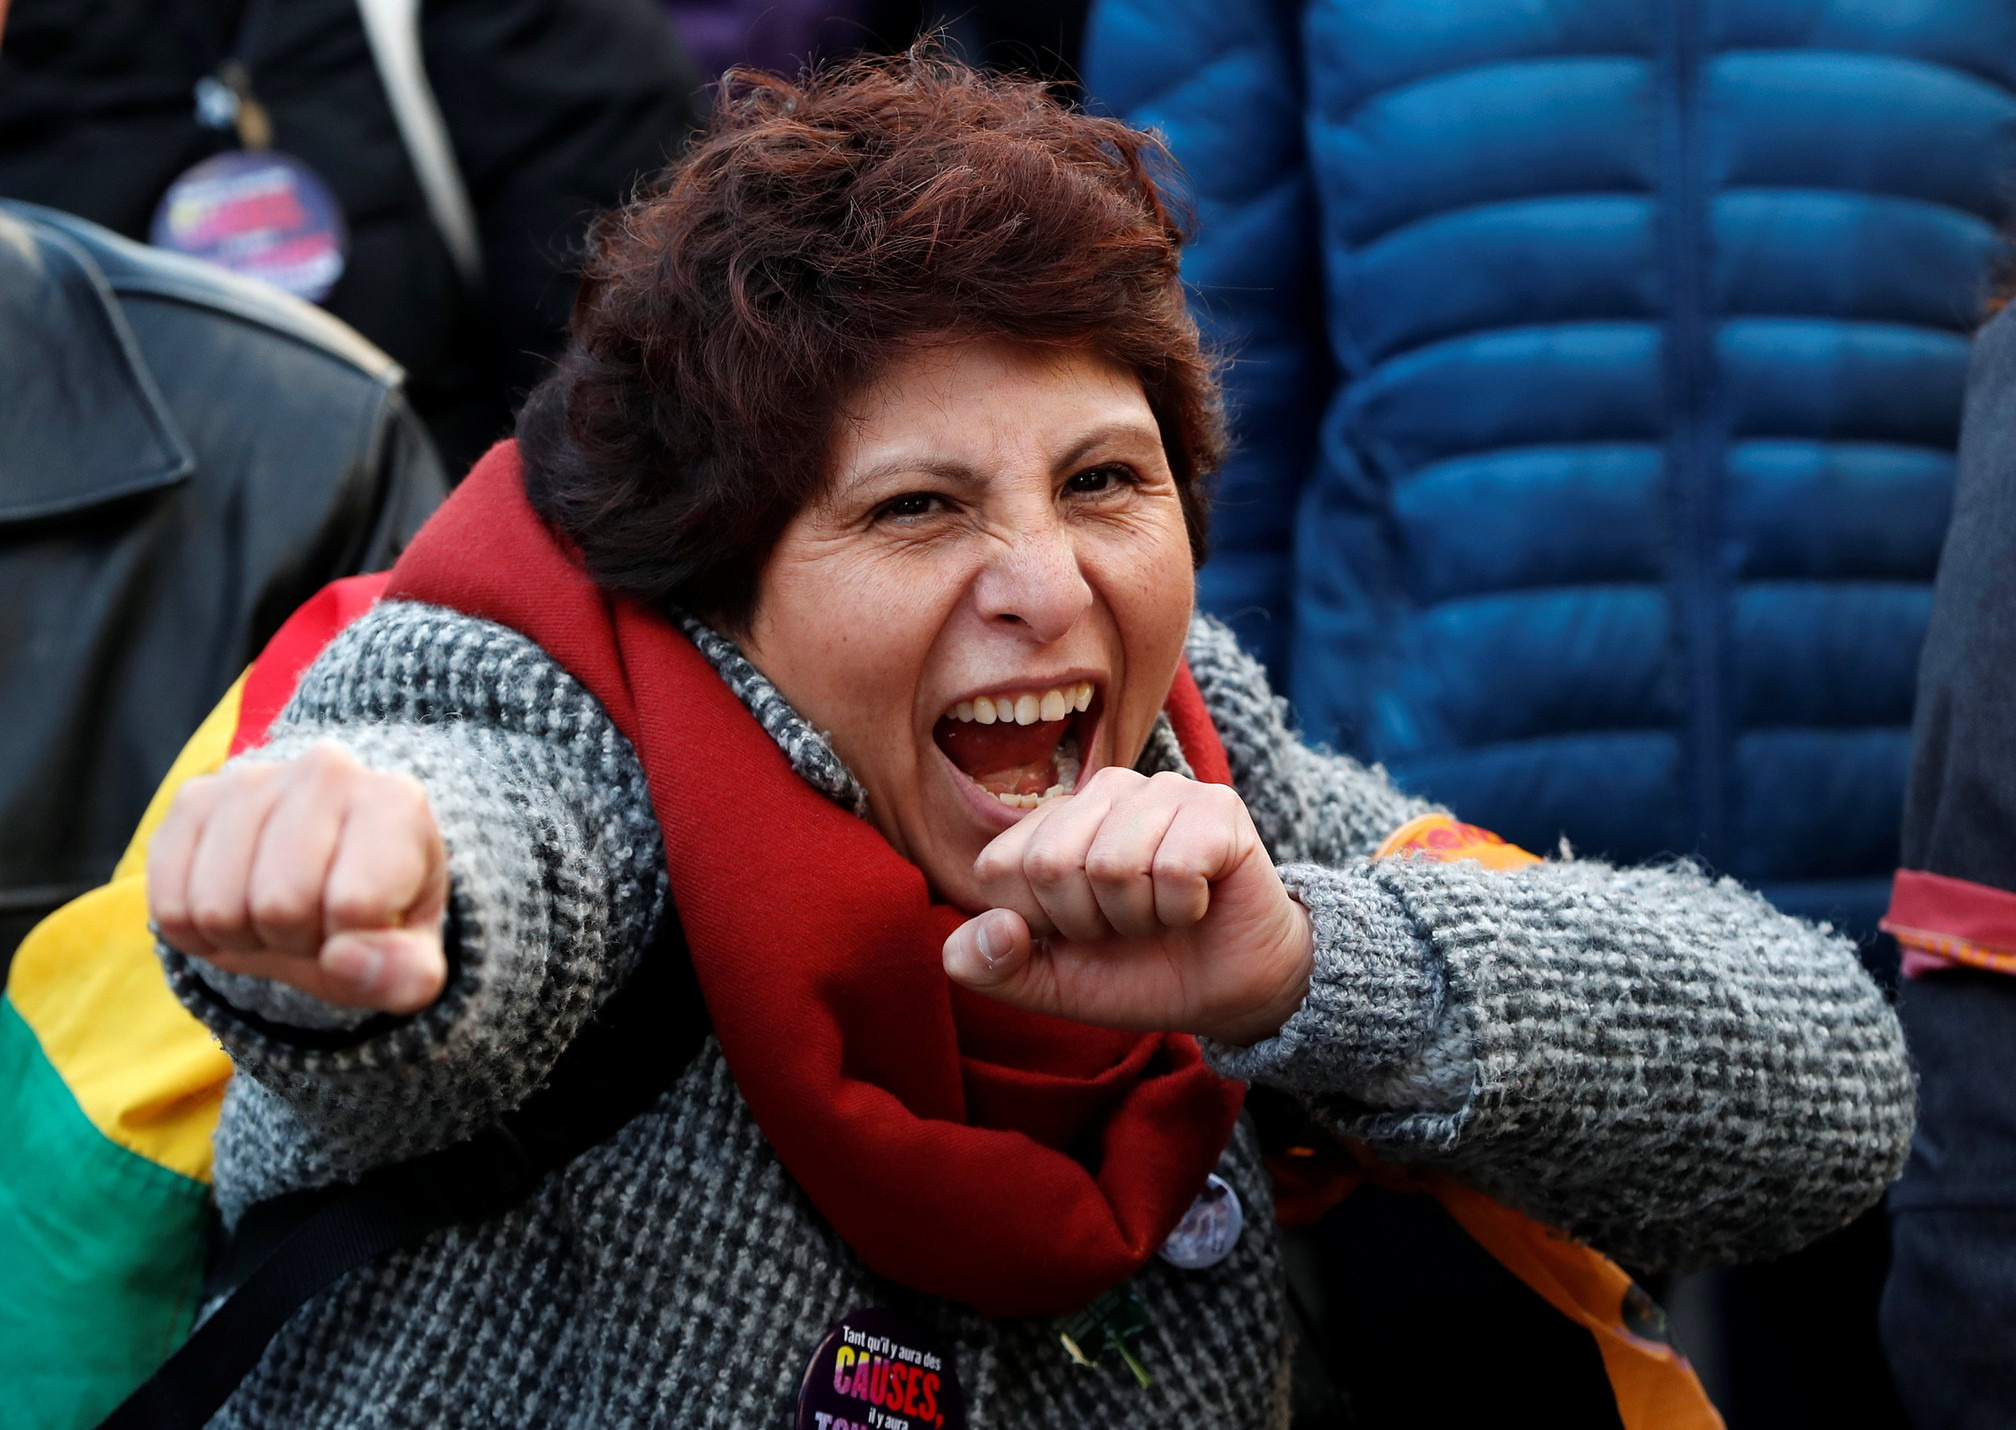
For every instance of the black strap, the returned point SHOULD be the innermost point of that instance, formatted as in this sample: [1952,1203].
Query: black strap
[286,1250]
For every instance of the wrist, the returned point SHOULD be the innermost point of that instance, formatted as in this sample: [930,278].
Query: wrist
[1295,953]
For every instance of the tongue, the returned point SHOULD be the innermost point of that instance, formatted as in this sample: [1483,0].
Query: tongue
[1003,758]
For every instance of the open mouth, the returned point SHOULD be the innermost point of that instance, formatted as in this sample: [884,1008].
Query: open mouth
[1021,747]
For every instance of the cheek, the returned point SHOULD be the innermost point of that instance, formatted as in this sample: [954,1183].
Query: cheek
[822,617]
[1152,593]
[846,640]
[1157,586]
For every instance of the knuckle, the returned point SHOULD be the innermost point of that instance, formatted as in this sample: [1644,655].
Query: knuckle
[171,842]
[1106,866]
[353,908]
[325,765]
[174,928]
[243,777]
[1045,865]
[214,917]
[353,903]
[282,905]
[198,791]
[406,797]
[191,806]
[329,755]
[165,907]
[201,795]
[1113,778]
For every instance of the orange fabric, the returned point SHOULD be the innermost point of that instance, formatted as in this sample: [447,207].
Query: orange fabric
[1934,950]
[1442,839]
[1309,1184]
[1655,1387]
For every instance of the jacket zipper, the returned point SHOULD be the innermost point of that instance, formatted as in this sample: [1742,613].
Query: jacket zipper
[1694,446]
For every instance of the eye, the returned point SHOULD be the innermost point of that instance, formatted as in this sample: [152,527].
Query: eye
[909,505]
[1094,480]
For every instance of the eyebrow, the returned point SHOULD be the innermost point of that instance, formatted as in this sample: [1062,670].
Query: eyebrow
[971,476]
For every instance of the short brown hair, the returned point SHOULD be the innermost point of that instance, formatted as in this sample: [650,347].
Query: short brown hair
[811,233]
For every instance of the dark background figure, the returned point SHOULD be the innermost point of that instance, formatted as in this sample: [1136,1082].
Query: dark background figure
[185,457]
[1599,371]
[553,107]
[1949,1311]
[1034,37]
[1029,37]
[778,35]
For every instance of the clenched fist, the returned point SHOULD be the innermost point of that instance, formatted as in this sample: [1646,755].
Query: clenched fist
[1139,902]
[315,872]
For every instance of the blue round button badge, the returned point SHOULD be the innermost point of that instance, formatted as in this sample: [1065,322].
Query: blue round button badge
[1209,1230]
[261,213]
[876,1370]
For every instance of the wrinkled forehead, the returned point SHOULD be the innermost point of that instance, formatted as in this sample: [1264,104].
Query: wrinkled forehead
[986,406]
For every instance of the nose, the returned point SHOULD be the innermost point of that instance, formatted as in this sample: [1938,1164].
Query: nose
[1034,580]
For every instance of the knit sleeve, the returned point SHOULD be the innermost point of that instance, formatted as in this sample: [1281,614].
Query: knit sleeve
[557,882]
[1650,1059]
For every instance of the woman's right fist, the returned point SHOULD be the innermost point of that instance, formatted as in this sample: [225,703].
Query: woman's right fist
[315,872]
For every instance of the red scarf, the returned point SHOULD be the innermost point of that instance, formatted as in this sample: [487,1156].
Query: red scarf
[1017,1163]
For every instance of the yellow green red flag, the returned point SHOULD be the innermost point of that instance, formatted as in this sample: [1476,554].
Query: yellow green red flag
[110,1092]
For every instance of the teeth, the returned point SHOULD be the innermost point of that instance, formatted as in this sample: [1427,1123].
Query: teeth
[1031,801]
[1068,766]
[1025,709]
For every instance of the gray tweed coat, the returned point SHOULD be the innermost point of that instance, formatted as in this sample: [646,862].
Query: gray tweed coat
[1653,1060]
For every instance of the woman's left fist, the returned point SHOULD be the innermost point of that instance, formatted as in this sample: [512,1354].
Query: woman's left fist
[1139,902]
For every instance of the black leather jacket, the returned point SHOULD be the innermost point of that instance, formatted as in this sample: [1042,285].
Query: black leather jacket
[184,457]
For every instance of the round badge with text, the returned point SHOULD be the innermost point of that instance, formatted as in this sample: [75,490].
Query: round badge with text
[261,213]
[877,1370]
[1209,1230]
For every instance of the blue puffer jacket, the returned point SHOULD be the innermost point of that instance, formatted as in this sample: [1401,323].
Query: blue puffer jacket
[1598,374]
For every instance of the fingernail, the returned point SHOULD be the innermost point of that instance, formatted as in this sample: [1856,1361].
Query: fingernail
[987,954]
[356,963]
